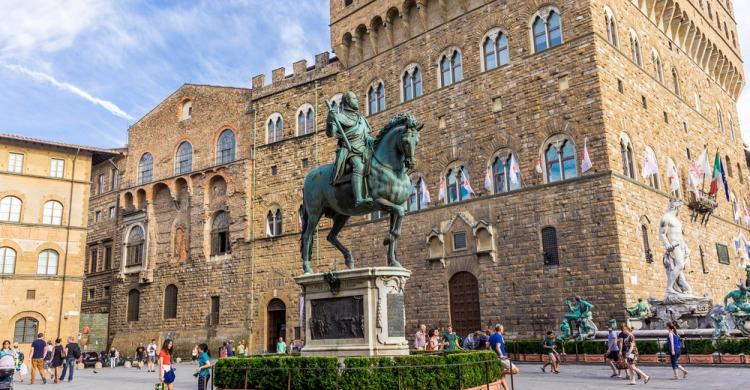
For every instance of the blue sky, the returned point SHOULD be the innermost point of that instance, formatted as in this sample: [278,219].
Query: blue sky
[82,71]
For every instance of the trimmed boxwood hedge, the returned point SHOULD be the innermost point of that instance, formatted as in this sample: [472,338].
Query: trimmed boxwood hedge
[416,372]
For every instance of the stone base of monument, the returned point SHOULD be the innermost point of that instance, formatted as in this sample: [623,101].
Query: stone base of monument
[357,312]
[687,312]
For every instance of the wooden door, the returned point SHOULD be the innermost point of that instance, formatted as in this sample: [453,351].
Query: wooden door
[464,300]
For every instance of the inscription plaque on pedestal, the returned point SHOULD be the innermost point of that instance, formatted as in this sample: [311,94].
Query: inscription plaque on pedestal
[396,320]
[337,318]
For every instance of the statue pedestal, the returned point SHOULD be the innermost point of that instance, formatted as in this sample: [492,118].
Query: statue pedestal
[358,312]
[688,312]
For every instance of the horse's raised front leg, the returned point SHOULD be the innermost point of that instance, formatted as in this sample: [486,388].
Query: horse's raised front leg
[339,221]
[307,238]
[393,234]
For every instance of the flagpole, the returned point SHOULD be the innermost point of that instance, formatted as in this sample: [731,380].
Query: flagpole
[703,185]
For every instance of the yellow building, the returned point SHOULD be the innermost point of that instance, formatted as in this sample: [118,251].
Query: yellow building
[44,195]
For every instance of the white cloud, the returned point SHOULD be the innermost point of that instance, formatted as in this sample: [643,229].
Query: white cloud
[42,77]
[28,26]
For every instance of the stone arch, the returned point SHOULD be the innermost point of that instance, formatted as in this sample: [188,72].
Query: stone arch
[377,36]
[127,200]
[39,317]
[217,188]
[304,109]
[140,199]
[408,70]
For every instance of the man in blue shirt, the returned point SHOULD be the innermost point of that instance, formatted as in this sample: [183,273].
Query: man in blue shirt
[497,342]
[38,348]
[613,349]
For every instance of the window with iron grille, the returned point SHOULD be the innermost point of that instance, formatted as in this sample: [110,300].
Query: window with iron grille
[136,241]
[30,294]
[459,240]
[646,245]
[549,246]
[213,318]
[170,302]
[25,330]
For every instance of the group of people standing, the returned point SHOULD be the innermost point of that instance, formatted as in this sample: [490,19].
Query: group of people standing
[431,340]
[50,360]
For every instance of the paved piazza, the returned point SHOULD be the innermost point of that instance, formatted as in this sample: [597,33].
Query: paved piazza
[574,377]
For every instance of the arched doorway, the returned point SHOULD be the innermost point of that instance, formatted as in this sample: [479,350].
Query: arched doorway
[276,319]
[464,297]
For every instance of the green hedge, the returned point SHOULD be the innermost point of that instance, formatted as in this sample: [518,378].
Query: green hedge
[698,347]
[416,372]
[734,347]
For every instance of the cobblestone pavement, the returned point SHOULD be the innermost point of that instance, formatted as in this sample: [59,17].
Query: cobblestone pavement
[596,377]
[573,377]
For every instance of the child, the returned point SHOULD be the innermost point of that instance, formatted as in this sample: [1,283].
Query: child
[550,349]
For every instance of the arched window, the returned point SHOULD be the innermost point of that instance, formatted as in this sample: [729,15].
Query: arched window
[609,19]
[183,162]
[560,160]
[220,234]
[501,173]
[145,168]
[458,185]
[626,151]
[170,302]
[26,330]
[376,98]
[225,147]
[412,83]
[134,303]
[418,199]
[135,245]
[305,120]
[658,68]
[635,49]
[10,209]
[650,168]
[549,246]
[7,260]
[451,68]
[187,110]
[496,52]
[52,214]
[676,81]
[720,118]
[274,223]
[47,264]
[547,31]
[275,128]
[646,245]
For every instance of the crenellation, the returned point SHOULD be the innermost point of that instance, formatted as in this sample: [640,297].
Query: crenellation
[278,75]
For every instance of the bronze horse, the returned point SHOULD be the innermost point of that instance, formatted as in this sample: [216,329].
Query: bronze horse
[388,184]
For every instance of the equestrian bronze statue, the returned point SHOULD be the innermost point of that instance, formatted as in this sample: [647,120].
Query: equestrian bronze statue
[369,174]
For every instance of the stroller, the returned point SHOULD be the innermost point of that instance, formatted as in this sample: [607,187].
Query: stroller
[7,370]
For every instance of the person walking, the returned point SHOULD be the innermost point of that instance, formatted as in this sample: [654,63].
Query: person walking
[675,348]
[497,344]
[57,359]
[204,366]
[451,340]
[549,348]
[281,346]
[38,351]
[613,350]
[48,359]
[140,355]
[166,373]
[151,352]
[630,350]
[72,354]
[420,338]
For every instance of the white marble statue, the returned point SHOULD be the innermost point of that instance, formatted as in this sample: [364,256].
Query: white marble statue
[677,254]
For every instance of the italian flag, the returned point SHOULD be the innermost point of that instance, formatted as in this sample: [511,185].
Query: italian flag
[716,175]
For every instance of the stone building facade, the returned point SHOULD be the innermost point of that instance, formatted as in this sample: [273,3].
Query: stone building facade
[44,197]
[102,253]
[513,94]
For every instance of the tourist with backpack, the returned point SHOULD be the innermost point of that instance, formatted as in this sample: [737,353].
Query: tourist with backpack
[675,348]
[72,354]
